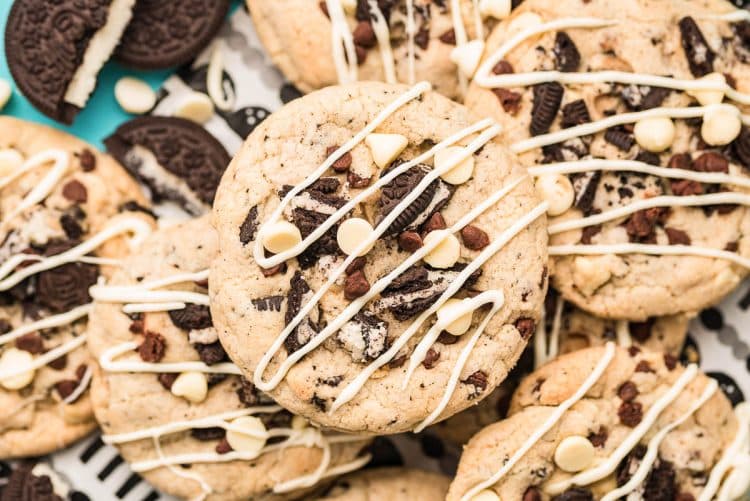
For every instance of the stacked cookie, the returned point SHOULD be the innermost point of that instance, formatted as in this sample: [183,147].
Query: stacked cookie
[378,259]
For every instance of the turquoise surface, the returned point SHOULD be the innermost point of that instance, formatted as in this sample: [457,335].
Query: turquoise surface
[102,114]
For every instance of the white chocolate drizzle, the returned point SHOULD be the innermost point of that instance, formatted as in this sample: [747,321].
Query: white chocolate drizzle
[46,358]
[411,32]
[549,423]
[608,465]
[652,451]
[342,42]
[108,363]
[622,331]
[47,323]
[383,35]
[739,447]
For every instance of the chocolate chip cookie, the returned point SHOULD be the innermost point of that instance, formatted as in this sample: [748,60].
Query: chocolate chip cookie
[633,127]
[385,484]
[168,397]
[610,423]
[68,213]
[382,258]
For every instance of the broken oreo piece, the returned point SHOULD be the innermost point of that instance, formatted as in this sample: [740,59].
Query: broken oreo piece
[365,336]
[567,57]
[699,55]
[575,113]
[300,294]
[176,158]
[47,42]
[546,104]
[65,287]
[166,34]
[191,317]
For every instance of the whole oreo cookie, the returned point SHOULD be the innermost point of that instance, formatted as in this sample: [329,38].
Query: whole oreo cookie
[45,45]
[177,159]
[166,34]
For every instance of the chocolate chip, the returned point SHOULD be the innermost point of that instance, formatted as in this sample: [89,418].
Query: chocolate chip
[71,227]
[191,317]
[434,223]
[364,36]
[661,482]
[447,339]
[477,379]
[641,331]
[681,161]
[640,226]
[81,371]
[711,162]
[356,285]
[137,326]
[342,163]
[167,379]
[643,366]
[677,237]
[75,191]
[409,241]
[589,232]
[152,348]
[59,363]
[87,160]
[575,113]
[619,138]
[31,342]
[633,350]
[627,391]
[449,37]
[567,57]
[741,147]
[532,494]
[685,187]
[546,104]
[358,263]
[526,327]
[249,226]
[509,100]
[670,361]
[66,387]
[5,326]
[430,359]
[361,54]
[358,182]
[575,494]
[274,270]
[397,362]
[502,67]
[211,354]
[247,393]
[474,238]
[223,447]
[630,413]
[23,485]
[599,438]
[422,38]
[700,57]
[208,434]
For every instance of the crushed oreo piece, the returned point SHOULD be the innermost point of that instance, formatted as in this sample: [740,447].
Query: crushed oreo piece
[431,200]
[546,104]
[268,303]
[23,485]
[648,157]
[742,40]
[643,97]
[661,482]
[567,57]
[567,151]
[418,288]
[575,494]
[191,317]
[620,138]
[62,288]
[211,354]
[700,57]
[249,226]
[575,113]
[585,185]
[741,147]
[208,434]
[299,294]
[365,336]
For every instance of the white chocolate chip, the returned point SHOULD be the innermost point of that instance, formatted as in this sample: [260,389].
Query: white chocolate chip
[197,107]
[249,441]
[655,134]
[461,172]
[721,125]
[5,92]
[499,9]
[385,148]
[467,56]
[485,495]
[449,310]
[352,233]
[707,97]
[14,359]
[191,386]
[574,453]
[350,6]
[557,190]
[299,423]
[446,253]
[10,161]
[281,236]
[134,95]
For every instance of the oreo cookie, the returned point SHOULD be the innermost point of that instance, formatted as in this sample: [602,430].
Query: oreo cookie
[45,45]
[24,485]
[167,34]
[176,158]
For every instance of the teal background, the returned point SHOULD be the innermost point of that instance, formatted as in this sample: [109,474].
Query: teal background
[102,113]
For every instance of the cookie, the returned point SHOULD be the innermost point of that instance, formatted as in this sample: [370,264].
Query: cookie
[55,50]
[68,213]
[606,423]
[316,44]
[646,176]
[566,329]
[177,159]
[166,34]
[167,396]
[385,484]
[343,324]
[32,481]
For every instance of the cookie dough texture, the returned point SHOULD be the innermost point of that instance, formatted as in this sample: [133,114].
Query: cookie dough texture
[689,452]
[297,35]
[283,151]
[95,192]
[386,484]
[126,402]
[647,39]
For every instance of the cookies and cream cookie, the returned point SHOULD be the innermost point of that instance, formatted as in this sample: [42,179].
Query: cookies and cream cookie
[387,484]
[632,117]
[167,396]
[609,423]
[316,44]
[382,258]
[68,214]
